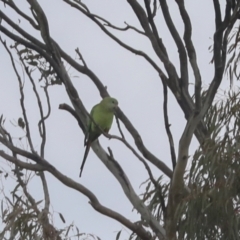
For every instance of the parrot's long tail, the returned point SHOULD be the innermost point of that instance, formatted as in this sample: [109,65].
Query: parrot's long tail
[88,145]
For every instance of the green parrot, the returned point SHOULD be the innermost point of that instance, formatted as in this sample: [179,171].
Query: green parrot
[102,115]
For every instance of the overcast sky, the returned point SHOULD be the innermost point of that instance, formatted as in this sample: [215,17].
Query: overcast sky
[129,78]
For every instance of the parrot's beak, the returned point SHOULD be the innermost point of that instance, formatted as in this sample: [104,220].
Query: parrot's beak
[115,107]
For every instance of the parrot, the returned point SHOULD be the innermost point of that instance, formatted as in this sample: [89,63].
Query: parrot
[102,116]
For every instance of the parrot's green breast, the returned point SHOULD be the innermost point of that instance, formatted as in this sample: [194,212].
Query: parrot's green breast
[103,118]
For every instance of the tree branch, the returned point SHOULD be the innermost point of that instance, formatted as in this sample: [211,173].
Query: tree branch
[191,54]
[183,99]
[22,14]
[179,44]
[42,166]
[19,163]
[29,138]
[167,125]
[44,29]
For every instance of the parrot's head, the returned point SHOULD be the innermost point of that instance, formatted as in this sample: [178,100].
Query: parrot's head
[110,103]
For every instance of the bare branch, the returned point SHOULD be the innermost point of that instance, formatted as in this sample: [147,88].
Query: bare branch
[66,107]
[22,97]
[179,43]
[177,184]
[153,26]
[87,71]
[141,147]
[81,4]
[191,54]
[29,166]
[22,14]
[182,97]
[41,124]
[45,210]
[44,29]
[167,124]
[156,42]
[74,185]
[220,49]
[135,29]
[154,12]
[40,48]
[119,128]
[123,140]
[177,180]
[218,19]
[80,57]
[108,24]
[154,160]
[21,164]
[125,28]
[114,168]
[32,40]
[27,194]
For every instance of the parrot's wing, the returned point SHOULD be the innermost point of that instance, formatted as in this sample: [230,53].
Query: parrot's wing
[89,125]
[100,120]
[90,136]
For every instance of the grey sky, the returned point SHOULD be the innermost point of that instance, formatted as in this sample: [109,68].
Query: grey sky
[128,78]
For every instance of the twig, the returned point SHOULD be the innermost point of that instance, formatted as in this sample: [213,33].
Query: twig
[81,4]
[109,24]
[41,123]
[135,51]
[154,29]
[22,96]
[22,14]
[80,57]
[125,28]
[135,29]
[38,47]
[119,127]
[67,108]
